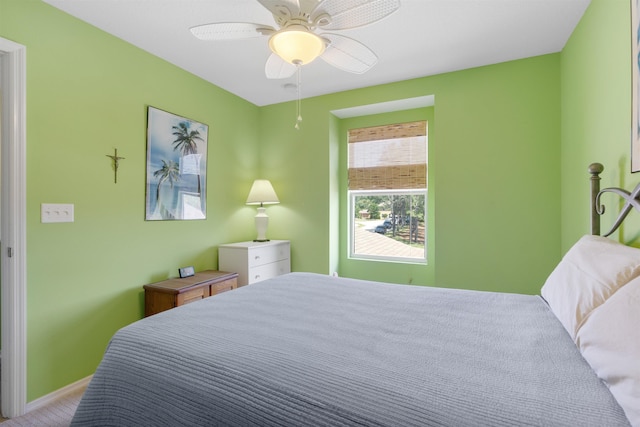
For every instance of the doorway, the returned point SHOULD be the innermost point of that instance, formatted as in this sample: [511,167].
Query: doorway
[13,253]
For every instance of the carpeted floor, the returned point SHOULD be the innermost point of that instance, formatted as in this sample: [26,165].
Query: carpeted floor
[56,414]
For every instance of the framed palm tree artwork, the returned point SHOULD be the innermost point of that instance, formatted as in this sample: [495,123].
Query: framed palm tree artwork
[176,167]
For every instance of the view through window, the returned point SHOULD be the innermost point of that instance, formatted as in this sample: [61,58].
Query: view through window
[388,192]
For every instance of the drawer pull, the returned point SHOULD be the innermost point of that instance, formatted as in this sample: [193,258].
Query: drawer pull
[257,257]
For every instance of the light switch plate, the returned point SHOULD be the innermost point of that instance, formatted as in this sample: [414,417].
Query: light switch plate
[55,212]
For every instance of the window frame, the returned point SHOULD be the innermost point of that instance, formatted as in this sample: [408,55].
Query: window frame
[351,196]
[372,179]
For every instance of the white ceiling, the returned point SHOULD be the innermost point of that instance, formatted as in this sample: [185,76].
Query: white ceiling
[422,38]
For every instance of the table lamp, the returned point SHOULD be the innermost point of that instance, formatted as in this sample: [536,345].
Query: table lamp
[262,193]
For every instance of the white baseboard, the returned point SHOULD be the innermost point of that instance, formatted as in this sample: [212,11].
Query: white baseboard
[52,397]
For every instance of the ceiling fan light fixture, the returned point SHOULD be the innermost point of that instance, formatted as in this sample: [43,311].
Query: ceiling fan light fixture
[297,45]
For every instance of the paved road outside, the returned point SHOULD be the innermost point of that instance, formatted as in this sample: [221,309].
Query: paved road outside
[370,243]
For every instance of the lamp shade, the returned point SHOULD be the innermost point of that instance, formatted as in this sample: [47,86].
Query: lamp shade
[262,193]
[296,45]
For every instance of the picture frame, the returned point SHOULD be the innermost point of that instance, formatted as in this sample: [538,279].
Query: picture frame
[176,172]
[635,73]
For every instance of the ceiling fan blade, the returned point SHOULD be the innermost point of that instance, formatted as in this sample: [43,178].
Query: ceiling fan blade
[230,31]
[346,14]
[282,10]
[348,54]
[278,68]
[308,6]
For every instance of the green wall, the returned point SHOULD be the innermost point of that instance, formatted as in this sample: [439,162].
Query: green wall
[508,149]
[596,115]
[494,145]
[87,94]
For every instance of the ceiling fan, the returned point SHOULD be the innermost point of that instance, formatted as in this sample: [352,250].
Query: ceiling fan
[298,41]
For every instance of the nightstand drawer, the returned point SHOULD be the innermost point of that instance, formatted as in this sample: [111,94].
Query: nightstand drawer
[225,286]
[255,261]
[192,295]
[268,271]
[267,255]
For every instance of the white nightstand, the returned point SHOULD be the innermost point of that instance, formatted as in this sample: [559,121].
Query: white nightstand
[255,261]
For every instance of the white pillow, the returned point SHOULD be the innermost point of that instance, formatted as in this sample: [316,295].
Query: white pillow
[593,269]
[609,340]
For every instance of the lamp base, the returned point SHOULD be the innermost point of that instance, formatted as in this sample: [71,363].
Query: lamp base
[262,220]
[261,240]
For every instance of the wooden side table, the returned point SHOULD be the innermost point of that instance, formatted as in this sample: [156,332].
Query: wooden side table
[161,296]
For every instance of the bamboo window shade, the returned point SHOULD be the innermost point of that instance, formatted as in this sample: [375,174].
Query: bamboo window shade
[390,157]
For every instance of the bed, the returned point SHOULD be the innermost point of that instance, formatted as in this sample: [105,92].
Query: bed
[306,349]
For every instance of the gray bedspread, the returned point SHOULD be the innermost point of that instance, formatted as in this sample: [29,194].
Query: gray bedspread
[306,349]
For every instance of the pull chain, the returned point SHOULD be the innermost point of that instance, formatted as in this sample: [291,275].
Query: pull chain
[299,102]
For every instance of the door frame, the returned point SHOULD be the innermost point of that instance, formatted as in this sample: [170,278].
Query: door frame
[13,246]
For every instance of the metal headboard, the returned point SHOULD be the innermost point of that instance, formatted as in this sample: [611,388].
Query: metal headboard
[631,200]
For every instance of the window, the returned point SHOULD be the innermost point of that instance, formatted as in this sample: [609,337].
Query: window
[388,192]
